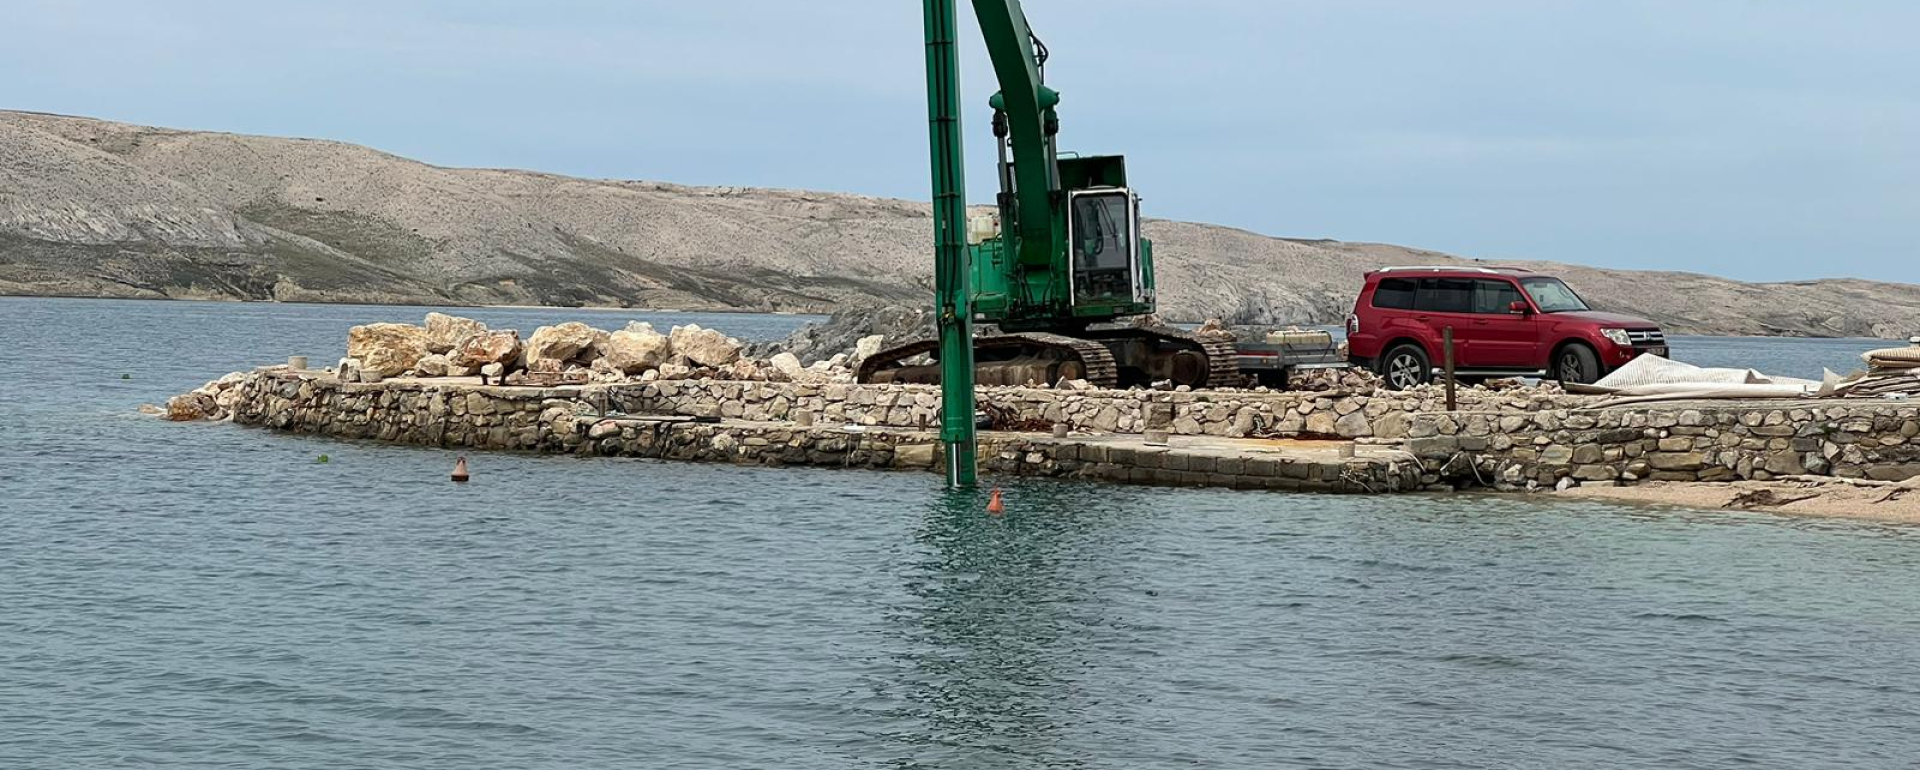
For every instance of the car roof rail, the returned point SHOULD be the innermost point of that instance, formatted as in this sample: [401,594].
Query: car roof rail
[1497,270]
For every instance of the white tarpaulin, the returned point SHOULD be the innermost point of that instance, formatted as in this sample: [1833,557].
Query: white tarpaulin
[1654,370]
[1652,378]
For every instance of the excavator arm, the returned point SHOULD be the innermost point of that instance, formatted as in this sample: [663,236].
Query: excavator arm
[1026,118]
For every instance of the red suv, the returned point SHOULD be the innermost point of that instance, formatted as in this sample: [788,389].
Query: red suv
[1506,321]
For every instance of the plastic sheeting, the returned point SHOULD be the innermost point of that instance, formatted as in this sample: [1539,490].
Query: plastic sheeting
[1652,378]
[1654,370]
[1648,371]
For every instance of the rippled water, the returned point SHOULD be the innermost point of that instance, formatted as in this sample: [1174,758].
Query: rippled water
[210,596]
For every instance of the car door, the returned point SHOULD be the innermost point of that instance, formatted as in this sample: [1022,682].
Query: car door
[1444,303]
[1502,338]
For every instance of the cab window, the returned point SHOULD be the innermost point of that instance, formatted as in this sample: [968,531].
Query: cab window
[1444,295]
[1394,294]
[1495,297]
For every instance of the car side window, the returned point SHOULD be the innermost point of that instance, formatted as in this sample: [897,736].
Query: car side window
[1444,295]
[1394,294]
[1495,297]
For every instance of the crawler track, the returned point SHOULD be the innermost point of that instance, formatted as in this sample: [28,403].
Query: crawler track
[1223,367]
[999,358]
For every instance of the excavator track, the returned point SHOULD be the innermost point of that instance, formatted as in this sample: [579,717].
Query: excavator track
[1222,369]
[1223,359]
[1007,359]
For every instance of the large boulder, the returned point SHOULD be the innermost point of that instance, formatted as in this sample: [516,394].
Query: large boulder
[705,347]
[637,348]
[189,407]
[866,347]
[434,365]
[387,350]
[570,341]
[445,331]
[488,347]
[789,364]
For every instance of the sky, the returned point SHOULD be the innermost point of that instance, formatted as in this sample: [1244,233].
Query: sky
[1757,139]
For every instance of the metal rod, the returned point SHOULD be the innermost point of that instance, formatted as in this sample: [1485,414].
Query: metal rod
[1446,342]
[953,302]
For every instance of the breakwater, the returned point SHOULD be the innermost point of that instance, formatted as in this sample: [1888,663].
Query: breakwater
[1378,442]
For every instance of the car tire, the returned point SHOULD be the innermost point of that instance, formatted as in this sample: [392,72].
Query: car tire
[1406,366]
[1576,363]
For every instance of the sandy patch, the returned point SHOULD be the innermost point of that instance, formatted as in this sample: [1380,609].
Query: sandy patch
[1801,498]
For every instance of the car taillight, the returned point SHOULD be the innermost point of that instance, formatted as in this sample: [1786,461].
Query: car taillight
[1353,324]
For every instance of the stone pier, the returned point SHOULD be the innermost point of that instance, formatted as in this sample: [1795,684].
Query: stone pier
[1333,442]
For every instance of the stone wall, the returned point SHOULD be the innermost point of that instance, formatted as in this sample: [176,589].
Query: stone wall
[1500,439]
[1383,415]
[1700,441]
[568,420]
[1175,467]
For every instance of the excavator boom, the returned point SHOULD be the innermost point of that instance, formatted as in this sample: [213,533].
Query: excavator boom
[1025,107]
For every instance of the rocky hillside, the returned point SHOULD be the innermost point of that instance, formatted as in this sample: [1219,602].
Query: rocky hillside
[95,208]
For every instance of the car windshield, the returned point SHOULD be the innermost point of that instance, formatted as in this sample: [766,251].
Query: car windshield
[1553,296]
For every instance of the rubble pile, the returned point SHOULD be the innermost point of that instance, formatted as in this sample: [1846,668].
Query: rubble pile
[573,353]
[846,330]
[1354,380]
[212,401]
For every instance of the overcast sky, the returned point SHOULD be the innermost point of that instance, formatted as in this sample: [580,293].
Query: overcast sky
[1761,139]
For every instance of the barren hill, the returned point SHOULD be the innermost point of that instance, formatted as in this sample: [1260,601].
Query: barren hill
[96,208]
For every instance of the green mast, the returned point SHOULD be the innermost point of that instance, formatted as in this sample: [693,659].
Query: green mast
[953,300]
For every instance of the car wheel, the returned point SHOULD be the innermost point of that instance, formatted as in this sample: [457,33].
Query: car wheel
[1406,367]
[1576,363]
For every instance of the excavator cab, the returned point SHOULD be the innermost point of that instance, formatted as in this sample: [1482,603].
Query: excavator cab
[1104,230]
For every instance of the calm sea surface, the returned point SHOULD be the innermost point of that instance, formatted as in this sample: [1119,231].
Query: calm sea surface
[211,596]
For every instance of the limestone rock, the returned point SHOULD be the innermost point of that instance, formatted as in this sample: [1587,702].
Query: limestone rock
[387,349]
[1353,425]
[1213,329]
[865,348]
[189,407]
[789,364]
[1678,461]
[570,341]
[603,371]
[705,347]
[1393,424]
[638,348]
[434,365]
[445,331]
[490,347]
[915,455]
[1321,424]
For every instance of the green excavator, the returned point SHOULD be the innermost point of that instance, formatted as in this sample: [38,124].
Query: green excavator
[1060,265]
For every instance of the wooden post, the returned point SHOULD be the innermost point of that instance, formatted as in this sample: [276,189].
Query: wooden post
[1446,342]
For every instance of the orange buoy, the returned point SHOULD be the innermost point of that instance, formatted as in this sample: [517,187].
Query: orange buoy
[460,471]
[996,506]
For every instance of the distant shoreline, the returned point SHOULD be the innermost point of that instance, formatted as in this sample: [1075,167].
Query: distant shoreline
[451,305]
[787,313]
